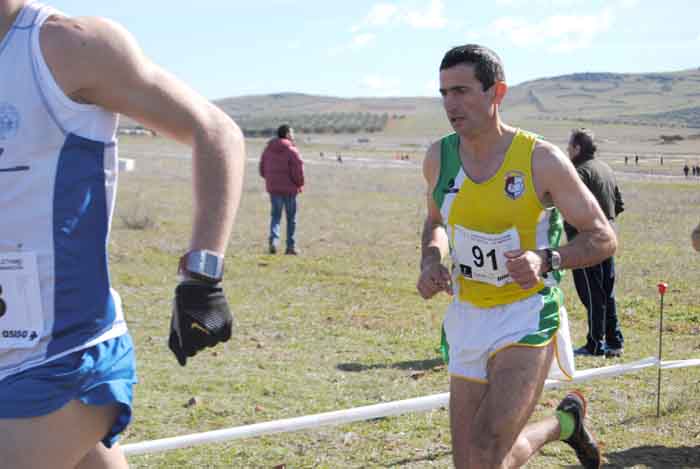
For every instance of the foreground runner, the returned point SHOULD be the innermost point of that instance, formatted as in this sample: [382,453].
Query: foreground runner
[66,358]
[494,196]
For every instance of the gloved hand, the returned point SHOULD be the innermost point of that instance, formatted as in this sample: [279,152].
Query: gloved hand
[201,318]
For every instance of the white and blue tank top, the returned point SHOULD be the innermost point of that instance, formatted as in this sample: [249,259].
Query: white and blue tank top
[58,180]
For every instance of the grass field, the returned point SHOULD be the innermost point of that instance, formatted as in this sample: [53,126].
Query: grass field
[342,325]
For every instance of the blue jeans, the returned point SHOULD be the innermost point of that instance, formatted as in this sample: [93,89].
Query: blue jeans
[289,203]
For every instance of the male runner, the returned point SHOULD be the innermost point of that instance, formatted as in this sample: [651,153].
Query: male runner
[494,196]
[66,358]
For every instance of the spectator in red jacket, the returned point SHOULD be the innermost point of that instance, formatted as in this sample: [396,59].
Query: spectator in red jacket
[283,169]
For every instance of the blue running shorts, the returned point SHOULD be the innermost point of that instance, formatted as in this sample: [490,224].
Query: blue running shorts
[99,375]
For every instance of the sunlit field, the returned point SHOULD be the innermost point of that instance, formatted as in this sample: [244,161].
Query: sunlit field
[342,325]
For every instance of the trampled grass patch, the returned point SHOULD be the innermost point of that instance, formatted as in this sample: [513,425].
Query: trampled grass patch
[342,326]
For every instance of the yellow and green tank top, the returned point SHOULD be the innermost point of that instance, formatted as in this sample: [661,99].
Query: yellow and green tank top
[505,203]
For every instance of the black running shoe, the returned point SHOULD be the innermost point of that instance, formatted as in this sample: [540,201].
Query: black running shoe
[582,440]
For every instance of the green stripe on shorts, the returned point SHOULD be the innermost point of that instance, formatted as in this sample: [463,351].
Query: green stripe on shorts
[549,318]
[444,346]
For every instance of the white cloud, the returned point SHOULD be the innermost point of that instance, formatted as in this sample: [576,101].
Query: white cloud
[544,3]
[294,44]
[379,15]
[628,3]
[361,40]
[560,33]
[431,18]
[357,42]
[381,85]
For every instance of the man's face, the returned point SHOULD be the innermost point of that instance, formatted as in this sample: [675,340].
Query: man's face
[290,134]
[468,107]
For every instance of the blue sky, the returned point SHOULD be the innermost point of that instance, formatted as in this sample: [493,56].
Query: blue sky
[393,48]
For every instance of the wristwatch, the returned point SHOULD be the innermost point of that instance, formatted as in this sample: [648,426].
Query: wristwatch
[202,264]
[553,259]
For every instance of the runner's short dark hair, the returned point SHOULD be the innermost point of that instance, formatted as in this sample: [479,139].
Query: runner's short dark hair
[488,67]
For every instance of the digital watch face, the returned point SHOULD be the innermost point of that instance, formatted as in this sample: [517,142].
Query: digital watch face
[204,264]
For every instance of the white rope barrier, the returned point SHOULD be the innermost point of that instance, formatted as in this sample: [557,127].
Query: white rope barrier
[671,364]
[339,417]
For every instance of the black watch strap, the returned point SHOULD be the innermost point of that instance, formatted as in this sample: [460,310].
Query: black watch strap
[553,259]
[548,259]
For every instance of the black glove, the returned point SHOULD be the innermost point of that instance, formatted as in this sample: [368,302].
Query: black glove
[201,318]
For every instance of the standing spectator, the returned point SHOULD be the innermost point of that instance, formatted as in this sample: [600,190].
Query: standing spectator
[595,285]
[626,160]
[636,159]
[283,169]
[686,169]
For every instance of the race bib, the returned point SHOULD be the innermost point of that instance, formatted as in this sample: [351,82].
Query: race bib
[480,255]
[21,318]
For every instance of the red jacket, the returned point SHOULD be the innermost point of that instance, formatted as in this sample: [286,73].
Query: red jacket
[282,167]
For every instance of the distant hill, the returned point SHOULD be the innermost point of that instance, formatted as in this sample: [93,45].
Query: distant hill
[260,115]
[660,99]
[297,103]
[665,99]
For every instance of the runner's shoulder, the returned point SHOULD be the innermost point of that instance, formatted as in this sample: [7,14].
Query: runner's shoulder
[83,40]
[548,157]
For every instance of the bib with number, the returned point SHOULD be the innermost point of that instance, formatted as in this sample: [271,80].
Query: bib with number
[480,256]
[21,318]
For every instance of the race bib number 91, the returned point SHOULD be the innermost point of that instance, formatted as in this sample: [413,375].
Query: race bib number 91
[481,255]
[21,319]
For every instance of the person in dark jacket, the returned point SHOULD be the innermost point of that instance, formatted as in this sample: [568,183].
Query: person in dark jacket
[595,285]
[283,169]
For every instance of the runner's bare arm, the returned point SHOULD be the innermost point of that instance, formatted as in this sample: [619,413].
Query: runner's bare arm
[558,183]
[434,276]
[434,245]
[96,61]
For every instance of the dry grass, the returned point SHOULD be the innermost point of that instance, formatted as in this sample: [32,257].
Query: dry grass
[342,325]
